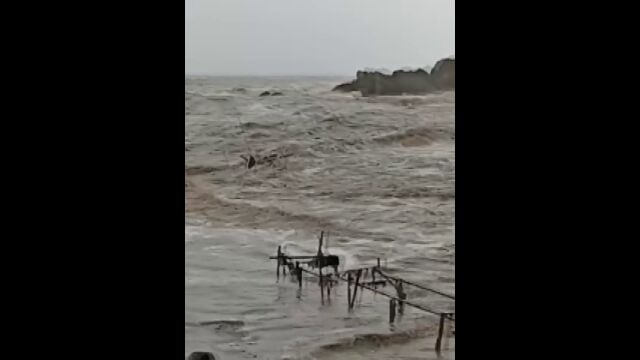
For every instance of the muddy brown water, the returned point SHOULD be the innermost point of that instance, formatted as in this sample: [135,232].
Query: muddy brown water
[376,174]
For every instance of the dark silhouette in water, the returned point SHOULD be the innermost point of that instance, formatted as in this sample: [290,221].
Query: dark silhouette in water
[251,161]
[201,355]
[271,93]
[327,260]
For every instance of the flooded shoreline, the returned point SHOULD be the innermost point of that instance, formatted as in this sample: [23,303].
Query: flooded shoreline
[377,174]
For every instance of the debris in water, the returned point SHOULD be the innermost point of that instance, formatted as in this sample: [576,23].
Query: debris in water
[271,93]
[250,161]
[268,159]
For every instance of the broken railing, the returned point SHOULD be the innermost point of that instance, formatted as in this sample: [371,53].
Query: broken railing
[356,278]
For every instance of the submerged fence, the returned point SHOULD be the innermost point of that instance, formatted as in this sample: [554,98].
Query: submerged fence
[355,278]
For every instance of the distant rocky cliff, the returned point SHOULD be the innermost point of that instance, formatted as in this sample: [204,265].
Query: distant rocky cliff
[441,77]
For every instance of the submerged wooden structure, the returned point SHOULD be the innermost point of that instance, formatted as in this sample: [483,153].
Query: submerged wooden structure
[355,280]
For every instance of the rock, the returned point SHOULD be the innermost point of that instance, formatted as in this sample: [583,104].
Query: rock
[444,74]
[201,355]
[346,87]
[441,77]
[271,93]
[398,83]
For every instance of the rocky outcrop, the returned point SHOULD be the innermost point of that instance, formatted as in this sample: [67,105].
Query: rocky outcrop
[200,355]
[444,74]
[441,77]
[398,83]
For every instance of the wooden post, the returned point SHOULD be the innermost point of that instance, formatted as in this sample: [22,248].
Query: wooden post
[373,277]
[299,273]
[440,331]
[321,283]
[320,246]
[355,288]
[278,268]
[349,290]
[319,264]
[401,296]
[378,263]
[392,310]
[284,266]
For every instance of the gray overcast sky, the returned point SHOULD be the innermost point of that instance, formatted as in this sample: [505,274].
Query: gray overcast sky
[315,37]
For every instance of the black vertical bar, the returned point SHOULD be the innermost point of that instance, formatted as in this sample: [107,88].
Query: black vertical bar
[299,272]
[440,331]
[378,263]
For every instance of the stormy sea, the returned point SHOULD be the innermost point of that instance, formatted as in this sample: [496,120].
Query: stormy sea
[375,174]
